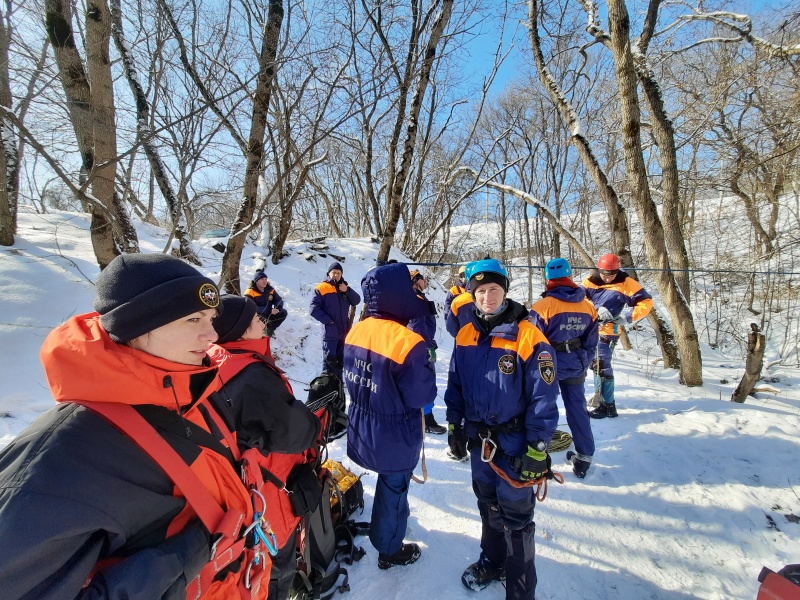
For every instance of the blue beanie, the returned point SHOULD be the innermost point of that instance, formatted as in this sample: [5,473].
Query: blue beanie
[137,293]
[259,275]
[334,265]
[235,319]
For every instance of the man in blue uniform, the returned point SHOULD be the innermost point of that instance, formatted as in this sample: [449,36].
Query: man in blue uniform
[330,306]
[389,379]
[569,321]
[501,404]
[426,327]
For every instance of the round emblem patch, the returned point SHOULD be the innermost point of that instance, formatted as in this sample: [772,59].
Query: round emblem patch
[506,364]
[209,295]
[479,276]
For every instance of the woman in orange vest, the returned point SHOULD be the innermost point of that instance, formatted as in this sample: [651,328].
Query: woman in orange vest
[84,510]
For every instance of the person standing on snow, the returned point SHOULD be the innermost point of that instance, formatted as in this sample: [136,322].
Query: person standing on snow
[270,419]
[85,512]
[389,378]
[501,402]
[426,327]
[569,321]
[619,300]
[330,306]
[459,288]
[268,302]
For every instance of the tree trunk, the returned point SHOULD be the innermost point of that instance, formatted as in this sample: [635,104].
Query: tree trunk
[398,182]
[89,120]
[672,212]
[756,343]
[691,373]
[9,157]
[146,136]
[231,259]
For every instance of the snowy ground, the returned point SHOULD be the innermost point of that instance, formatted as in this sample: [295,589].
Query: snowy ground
[689,496]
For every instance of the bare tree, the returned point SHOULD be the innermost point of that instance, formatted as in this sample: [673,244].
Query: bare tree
[691,368]
[398,173]
[91,112]
[9,156]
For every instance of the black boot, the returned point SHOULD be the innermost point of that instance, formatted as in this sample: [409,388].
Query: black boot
[431,426]
[407,554]
[603,411]
[579,466]
[520,565]
[480,574]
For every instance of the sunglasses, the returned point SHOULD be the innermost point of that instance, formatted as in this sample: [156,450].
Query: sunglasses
[608,273]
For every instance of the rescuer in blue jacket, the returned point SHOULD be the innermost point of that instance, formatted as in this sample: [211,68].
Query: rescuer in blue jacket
[426,327]
[330,306]
[389,379]
[501,408]
[620,300]
[569,321]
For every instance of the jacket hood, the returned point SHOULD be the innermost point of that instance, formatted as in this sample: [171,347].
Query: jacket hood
[565,293]
[388,294]
[82,362]
[595,278]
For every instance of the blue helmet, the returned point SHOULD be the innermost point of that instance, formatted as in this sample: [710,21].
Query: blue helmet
[487,270]
[557,267]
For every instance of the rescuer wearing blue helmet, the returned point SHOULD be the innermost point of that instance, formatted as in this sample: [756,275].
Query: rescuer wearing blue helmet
[501,396]
[569,321]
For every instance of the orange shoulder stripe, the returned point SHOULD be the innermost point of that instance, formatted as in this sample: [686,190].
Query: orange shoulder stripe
[387,338]
[325,288]
[459,301]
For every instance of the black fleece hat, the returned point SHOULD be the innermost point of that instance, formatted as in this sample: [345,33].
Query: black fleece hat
[485,277]
[137,293]
[332,266]
[236,317]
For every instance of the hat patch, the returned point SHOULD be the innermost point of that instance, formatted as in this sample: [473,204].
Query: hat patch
[209,295]
[479,276]
[506,364]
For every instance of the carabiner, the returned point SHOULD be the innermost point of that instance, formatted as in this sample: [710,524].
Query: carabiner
[488,441]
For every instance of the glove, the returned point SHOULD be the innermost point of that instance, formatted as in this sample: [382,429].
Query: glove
[534,464]
[432,354]
[457,442]
[603,314]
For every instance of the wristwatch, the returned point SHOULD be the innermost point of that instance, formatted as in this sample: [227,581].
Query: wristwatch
[541,446]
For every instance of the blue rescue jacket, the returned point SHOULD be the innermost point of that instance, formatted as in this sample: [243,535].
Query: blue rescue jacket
[266,300]
[387,374]
[569,321]
[458,314]
[503,377]
[425,326]
[329,306]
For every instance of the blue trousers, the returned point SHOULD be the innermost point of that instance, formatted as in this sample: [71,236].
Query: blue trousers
[577,416]
[333,356]
[390,513]
[507,527]
[605,382]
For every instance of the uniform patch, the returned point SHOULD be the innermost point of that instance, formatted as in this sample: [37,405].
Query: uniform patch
[506,364]
[209,295]
[544,355]
[547,370]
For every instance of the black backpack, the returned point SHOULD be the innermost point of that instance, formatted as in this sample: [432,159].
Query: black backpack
[326,398]
[327,536]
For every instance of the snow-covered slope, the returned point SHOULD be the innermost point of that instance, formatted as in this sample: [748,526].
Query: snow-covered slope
[688,497]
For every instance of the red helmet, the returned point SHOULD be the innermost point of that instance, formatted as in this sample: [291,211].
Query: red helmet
[609,262]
